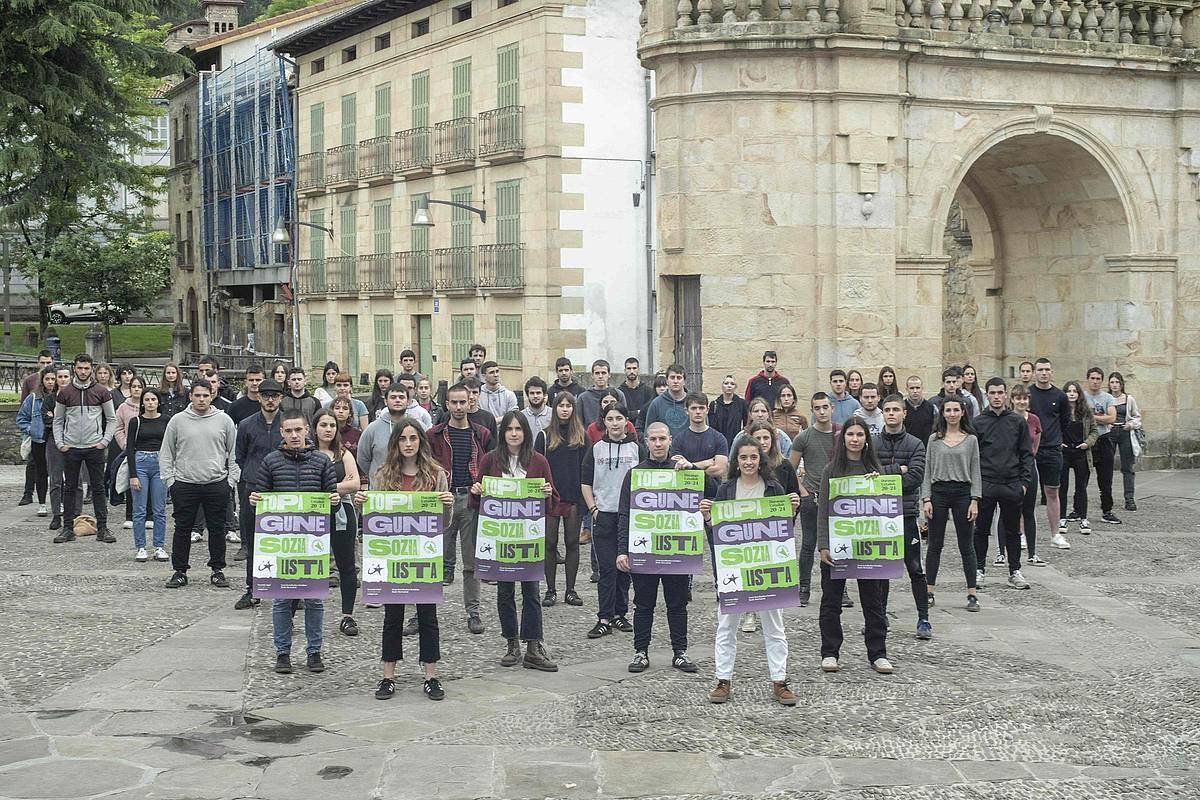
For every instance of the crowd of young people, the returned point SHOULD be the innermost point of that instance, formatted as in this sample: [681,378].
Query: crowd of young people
[968,455]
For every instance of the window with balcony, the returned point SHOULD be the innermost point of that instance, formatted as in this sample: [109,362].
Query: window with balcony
[383,109]
[508,71]
[316,128]
[420,99]
[349,119]
[461,86]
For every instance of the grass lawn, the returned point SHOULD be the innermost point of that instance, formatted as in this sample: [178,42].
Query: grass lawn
[127,338]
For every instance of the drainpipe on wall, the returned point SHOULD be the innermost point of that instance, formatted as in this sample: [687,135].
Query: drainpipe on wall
[647,191]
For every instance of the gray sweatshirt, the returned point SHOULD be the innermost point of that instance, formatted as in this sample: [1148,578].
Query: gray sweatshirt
[373,445]
[199,449]
[958,463]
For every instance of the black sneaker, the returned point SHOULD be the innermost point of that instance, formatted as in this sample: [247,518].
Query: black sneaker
[972,603]
[448,577]
[241,554]
[433,689]
[846,601]
[595,578]
[348,626]
[640,661]
[599,630]
[103,534]
[334,580]
[682,663]
[56,521]
[474,624]
[217,579]
[314,663]
[805,596]
[572,598]
[387,688]
[245,601]
[1129,506]
[176,581]
[1110,518]
[1073,515]
[283,664]
[622,624]
[65,536]
[549,598]
[25,500]
[411,627]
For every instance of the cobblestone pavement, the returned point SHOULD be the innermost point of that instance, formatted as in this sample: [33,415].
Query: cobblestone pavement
[1088,686]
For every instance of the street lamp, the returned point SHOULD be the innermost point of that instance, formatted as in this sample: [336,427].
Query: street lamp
[283,236]
[421,215]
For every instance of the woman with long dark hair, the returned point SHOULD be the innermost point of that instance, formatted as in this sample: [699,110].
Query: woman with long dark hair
[759,410]
[172,390]
[326,391]
[1078,438]
[952,487]
[34,421]
[279,373]
[1019,395]
[120,391]
[887,382]
[781,468]
[970,385]
[1126,427]
[786,416]
[143,441]
[750,477]
[853,454]
[129,409]
[409,466]
[854,382]
[378,398]
[343,411]
[564,446]
[514,457]
[342,537]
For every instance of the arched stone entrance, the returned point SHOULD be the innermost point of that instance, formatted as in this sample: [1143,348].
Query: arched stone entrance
[1036,223]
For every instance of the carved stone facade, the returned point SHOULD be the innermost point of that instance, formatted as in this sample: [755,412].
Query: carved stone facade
[809,154]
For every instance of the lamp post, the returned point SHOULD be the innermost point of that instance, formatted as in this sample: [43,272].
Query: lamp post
[421,215]
[282,235]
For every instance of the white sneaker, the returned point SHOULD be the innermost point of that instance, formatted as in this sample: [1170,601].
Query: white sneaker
[979,576]
[149,524]
[1085,527]
[882,666]
[1017,581]
[1062,525]
[1024,543]
[127,525]
[233,538]
[749,622]
[1060,541]
[830,664]
[41,512]
[1000,560]
[197,536]
[141,555]
[161,555]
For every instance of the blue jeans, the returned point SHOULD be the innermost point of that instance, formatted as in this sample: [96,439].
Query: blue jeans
[153,487]
[281,619]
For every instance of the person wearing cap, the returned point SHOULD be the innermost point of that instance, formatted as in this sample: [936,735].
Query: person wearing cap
[257,435]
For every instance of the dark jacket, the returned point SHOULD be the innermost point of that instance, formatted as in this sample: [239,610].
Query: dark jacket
[728,418]
[762,386]
[573,387]
[637,398]
[896,450]
[305,403]
[439,445]
[173,403]
[1005,452]
[918,420]
[255,439]
[306,470]
[492,465]
[623,505]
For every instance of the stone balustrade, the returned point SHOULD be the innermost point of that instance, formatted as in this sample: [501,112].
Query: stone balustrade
[1162,24]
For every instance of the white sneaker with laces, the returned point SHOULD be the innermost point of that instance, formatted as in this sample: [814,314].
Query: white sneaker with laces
[160,554]
[1060,541]
[882,666]
[1062,525]
[41,512]
[979,578]
[1085,526]
[1017,581]
[830,664]
[1024,542]
[1037,561]
[197,536]
[127,525]
[141,555]
[749,622]
[149,524]
[1000,560]
[233,538]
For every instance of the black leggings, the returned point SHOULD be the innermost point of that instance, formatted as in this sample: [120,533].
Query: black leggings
[1029,514]
[41,475]
[1075,460]
[428,634]
[570,528]
[951,497]
[341,543]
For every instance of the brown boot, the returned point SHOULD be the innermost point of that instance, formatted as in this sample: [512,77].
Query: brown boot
[536,657]
[721,693]
[782,693]
[512,655]
[585,536]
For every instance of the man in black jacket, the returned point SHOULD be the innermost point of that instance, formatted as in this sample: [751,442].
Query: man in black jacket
[645,587]
[904,454]
[296,467]
[1006,466]
[257,436]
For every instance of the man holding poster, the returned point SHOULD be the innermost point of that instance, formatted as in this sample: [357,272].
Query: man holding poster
[295,487]
[859,515]
[754,552]
[660,538]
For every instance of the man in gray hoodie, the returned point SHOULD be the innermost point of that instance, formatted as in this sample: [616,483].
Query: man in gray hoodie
[373,445]
[199,466]
[84,424]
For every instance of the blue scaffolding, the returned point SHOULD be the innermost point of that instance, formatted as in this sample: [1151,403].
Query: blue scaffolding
[247,163]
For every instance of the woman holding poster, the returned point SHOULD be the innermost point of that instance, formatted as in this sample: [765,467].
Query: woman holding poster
[564,445]
[342,536]
[853,454]
[750,478]
[409,466]
[515,457]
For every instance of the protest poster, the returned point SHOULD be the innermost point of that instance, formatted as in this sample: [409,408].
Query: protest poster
[291,545]
[402,547]
[666,531]
[510,542]
[755,554]
[866,527]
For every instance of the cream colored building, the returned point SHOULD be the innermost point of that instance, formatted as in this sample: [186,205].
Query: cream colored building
[532,112]
[810,153]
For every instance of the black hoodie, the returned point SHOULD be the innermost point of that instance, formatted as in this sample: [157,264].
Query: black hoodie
[626,490]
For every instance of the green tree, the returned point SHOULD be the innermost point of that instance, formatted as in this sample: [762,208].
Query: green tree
[277,7]
[75,83]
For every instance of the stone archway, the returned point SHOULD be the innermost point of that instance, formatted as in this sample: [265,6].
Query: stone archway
[1036,221]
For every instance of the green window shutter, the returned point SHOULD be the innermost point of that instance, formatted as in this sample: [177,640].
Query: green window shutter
[507,76]
[350,342]
[462,88]
[383,342]
[349,231]
[420,99]
[461,219]
[508,340]
[316,238]
[349,119]
[316,128]
[462,336]
[508,212]
[419,239]
[381,226]
[383,109]
[318,336]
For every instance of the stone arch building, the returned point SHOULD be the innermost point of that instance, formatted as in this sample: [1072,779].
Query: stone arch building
[811,154]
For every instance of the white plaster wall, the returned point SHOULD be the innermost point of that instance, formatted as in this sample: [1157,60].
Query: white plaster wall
[613,113]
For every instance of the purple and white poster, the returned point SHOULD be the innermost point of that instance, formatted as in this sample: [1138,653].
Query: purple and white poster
[866,527]
[755,554]
[510,540]
[666,531]
[402,547]
[291,546]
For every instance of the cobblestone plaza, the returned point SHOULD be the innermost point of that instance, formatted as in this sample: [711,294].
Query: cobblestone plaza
[1088,686]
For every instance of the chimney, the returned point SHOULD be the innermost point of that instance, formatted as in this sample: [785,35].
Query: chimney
[221,15]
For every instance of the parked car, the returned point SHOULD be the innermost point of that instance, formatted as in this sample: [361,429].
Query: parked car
[66,313]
